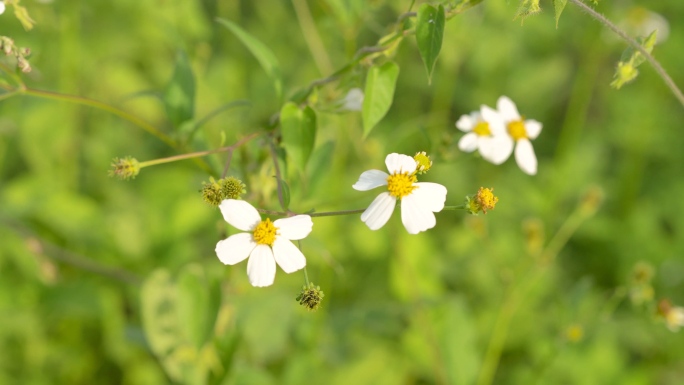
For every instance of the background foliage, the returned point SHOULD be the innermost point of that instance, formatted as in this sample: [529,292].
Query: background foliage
[117,282]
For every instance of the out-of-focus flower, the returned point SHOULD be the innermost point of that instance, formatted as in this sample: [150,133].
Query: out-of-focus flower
[353,101]
[124,168]
[2,7]
[673,315]
[486,133]
[418,200]
[641,22]
[264,242]
[520,131]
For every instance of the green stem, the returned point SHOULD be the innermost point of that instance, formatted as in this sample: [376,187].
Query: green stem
[102,106]
[198,153]
[656,65]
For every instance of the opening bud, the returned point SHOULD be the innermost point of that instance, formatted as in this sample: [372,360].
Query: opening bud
[482,201]
[423,162]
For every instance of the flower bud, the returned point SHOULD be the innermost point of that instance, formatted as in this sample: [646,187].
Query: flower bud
[310,297]
[125,168]
[423,162]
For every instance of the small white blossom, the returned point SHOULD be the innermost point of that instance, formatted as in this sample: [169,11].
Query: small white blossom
[418,200]
[264,242]
[519,132]
[486,133]
[353,101]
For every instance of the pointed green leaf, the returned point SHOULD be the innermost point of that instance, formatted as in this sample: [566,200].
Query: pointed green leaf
[179,95]
[298,127]
[261,52]
[378,95]
[429,33]
[559,5]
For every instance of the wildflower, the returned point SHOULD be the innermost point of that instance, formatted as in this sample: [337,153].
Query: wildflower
[673,315]
[125,168]
[418,200]
[520,132]
[264,242]
[310,297]
[423,162]
[353,101]
[485,132]
[2,7]
[482,201]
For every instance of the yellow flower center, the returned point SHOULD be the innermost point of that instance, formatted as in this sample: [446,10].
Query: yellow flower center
[265,233]
[482,129]
[517,130]
[401,185]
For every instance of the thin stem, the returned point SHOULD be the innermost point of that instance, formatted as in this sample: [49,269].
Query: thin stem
[656,65]
[321,214]
[103,106]
[199,153]
[279,180]
[227,166]
[312,37]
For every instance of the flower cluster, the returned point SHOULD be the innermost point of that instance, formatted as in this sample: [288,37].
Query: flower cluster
[216,192]
[494,133]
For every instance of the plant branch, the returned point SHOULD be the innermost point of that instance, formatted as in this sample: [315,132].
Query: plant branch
[656,65]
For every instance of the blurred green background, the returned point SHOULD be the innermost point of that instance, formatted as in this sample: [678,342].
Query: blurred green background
[111,282]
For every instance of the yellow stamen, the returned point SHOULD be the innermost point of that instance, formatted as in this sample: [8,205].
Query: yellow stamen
[517,130]
[482,129]
[401,185]
[265,233]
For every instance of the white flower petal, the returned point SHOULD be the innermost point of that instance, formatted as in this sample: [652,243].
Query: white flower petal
[261,267]
[240,214]
[235,248]
[430,195]
[524,156]
[379,211]
[466,122]
[288,256]
[354,100]
[415,216]
[468,142]
[497,148]
[371,179]
[507,109]
[399,163]
[532,128]
[2,7]
[294,228]
[494,119]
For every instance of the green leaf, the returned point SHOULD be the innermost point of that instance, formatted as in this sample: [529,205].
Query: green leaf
[179,96]
[429,33]
[261,52]
[298,127]
[559,5]
[528,8]
[194,305]
[626,70]
[286,193]
[378,95]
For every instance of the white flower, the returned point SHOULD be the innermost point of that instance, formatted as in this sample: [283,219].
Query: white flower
[485,131]
[2,7]
[519,131]
[675,318]
[418,200]
[265,242]
[353,101]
